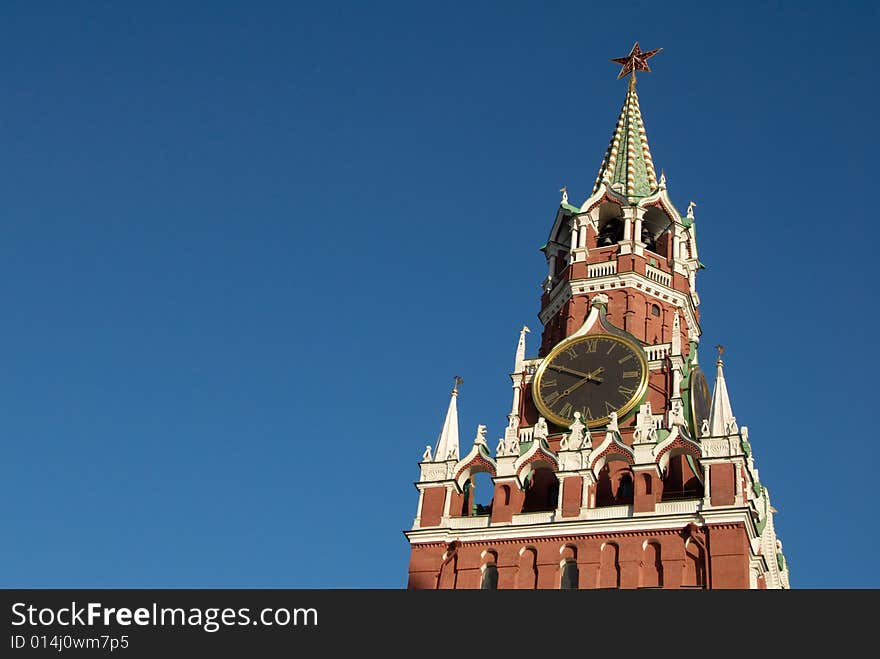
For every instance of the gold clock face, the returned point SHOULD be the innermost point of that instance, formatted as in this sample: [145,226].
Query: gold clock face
[595,375]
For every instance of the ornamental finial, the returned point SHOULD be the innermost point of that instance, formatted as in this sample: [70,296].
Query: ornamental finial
[458,381]
[635,61]
[720,349]
[564,192]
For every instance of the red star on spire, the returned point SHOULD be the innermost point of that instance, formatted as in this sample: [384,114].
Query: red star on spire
[635,61]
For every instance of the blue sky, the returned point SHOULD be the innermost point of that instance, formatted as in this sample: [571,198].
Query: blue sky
[246,247]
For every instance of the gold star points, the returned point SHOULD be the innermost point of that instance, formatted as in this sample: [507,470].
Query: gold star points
[635,61]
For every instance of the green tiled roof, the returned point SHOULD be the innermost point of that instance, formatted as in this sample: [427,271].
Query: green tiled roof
[627,161]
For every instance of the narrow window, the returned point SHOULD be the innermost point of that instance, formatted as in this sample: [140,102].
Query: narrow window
[570,577]
[490,577]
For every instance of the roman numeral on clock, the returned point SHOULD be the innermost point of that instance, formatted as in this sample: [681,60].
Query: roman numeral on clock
[545,383]
[630,374]
[626,392]
[566,410]
[553,397]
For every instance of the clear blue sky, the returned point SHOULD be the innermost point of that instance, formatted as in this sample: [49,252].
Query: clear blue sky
[246,246]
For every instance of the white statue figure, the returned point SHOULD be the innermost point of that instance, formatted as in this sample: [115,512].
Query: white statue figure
[426,456]
[513,446]
[676,414]
[704,428]
[499,449]
[662,180]
[480,439]
[564,192]
[612,423]
[453,453]
[690,210]
[540,431]
[575,437]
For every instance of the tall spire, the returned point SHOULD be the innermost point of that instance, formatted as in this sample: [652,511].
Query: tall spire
[447,442]
[627,166]
[721,419]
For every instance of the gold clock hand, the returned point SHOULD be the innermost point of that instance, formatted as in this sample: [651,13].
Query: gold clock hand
[566,369]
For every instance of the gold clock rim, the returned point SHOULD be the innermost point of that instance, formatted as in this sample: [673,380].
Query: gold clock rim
[625,409]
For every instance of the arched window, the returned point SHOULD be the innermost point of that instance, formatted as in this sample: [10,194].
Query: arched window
[655,310]
[570,578]
[609,567]
[527,572]
[505,495]
[646,481]
[490,577]
[694,575]
[651,568]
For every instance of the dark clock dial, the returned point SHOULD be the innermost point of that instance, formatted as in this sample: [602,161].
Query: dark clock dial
[701,401]
[594,375]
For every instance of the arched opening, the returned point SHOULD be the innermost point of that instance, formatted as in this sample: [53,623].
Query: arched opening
[570,577]
[483,493]
[694,575]
[651,567]
[609,566]
[542,490]
[656,227]
[647,483]
[610,225]
[614,485]
[610,232]
[489,580]
[527,573]
[505,495]
[655,310]
[680,480]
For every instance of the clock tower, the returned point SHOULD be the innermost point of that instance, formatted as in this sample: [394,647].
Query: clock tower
[617,467]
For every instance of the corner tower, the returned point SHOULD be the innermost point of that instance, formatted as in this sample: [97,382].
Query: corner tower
[616,468]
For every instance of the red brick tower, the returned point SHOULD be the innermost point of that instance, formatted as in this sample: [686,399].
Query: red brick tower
[616,469]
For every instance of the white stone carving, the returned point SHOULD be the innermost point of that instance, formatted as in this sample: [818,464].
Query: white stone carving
[480,439]
[645,429]
[612,423]
[599,298]
[540,430]
[730,427]
[564,192]
[676,415]
[426,456]
[704,428]
[572,441]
